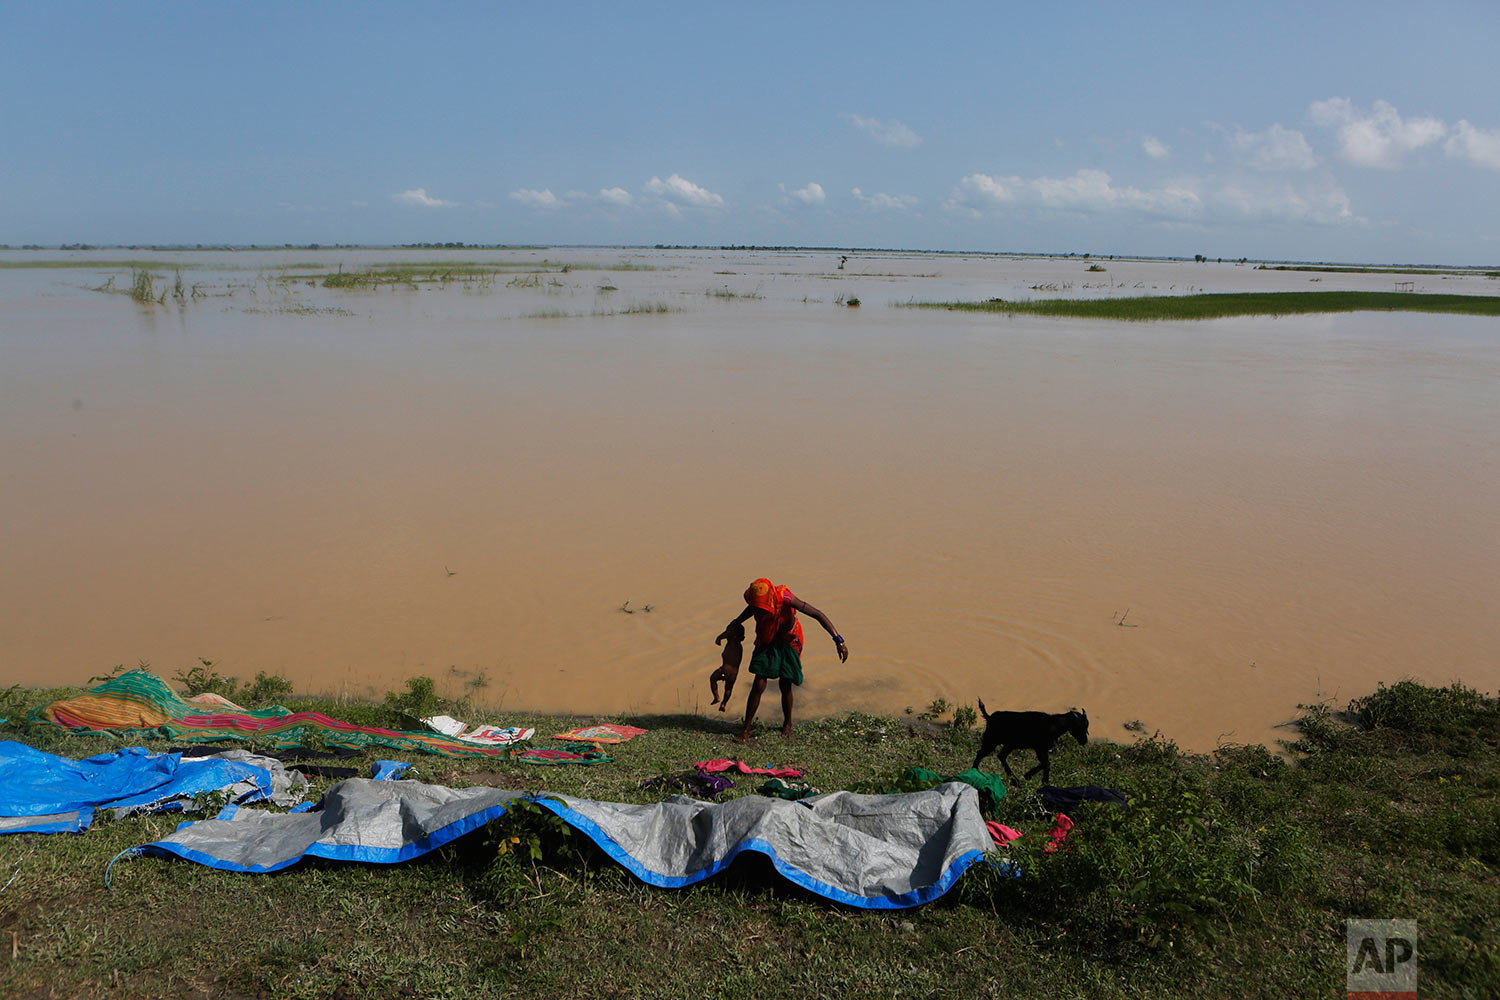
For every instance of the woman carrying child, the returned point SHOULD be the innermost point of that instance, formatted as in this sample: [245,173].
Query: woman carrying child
[778,645]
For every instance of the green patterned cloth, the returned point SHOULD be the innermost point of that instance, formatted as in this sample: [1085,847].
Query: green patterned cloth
[139,705]
[991,788]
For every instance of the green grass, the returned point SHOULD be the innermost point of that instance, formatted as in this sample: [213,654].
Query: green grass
[1221,305]
[1230,877]
[1448,272]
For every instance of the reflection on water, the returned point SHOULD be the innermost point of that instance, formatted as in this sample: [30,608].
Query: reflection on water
[1194,525]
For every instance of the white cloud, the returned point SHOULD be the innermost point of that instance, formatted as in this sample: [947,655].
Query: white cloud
[420,198]
[890,133]
[810,195]
[984,189]
[1309,199]
[615,196]
[1276,150]
[537,199]
[679,191]
[1317,199]
[1155,148]
[885,202]
[1480,147]
[1377,138]
[1093,189]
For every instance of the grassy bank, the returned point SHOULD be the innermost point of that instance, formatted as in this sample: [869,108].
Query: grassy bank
[1231,876]
[1221,305]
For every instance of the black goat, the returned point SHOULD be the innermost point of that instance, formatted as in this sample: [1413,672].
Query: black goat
[1038,731]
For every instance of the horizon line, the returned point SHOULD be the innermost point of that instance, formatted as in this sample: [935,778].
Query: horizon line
[731,247]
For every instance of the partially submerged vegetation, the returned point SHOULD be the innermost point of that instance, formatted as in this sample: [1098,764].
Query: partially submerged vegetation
[446,272]
[143,286]
[1219,305]
[1446,272]
[1231,874]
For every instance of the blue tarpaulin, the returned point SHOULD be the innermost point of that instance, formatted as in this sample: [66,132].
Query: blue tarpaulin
[41,792]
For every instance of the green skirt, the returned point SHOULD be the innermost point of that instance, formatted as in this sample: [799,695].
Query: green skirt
[778,659]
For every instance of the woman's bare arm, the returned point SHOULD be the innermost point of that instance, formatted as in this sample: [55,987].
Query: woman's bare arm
[744,615]
[807,609]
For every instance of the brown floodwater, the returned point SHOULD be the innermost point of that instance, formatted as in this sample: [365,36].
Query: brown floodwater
[1194,525]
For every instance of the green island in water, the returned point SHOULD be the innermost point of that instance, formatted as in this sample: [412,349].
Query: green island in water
[1219,305]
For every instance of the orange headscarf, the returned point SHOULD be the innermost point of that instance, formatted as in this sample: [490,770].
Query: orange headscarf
[781,619]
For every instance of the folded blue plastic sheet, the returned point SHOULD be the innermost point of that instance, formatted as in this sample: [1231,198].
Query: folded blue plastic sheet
[870,851]
[44,793]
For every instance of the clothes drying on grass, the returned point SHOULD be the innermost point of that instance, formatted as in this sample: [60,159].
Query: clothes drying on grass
[869,851]
[303,727]
[1002,834]
[138,704]
[484,735]
[605,733]
[990,787]
[44,793]
[792,791]
[577,754]
[295,755]
[715,766]
[1057,836]
[138,700]
[1057,799]
[694,783]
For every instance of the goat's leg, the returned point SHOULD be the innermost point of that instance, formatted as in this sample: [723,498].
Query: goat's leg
[1041,765]
[985,749]
[1005,764]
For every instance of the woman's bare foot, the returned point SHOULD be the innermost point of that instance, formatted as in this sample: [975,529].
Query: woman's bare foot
[742,738]
[786,732]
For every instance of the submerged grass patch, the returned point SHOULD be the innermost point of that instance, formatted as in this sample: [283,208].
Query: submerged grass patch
[1446,272]
[726,293]
[1216,305]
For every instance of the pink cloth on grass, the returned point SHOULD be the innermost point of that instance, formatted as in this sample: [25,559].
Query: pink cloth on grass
[1000,833]
[1058,833]
[714,766]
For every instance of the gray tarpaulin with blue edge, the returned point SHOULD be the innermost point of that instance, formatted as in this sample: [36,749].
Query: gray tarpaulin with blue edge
[870,851]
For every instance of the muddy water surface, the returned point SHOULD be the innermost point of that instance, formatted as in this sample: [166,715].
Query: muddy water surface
[1195,525]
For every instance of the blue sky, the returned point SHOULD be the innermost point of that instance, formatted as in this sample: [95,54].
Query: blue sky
[1336,131]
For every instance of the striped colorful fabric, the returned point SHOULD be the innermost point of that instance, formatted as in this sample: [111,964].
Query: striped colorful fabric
[607,732]
[137,699]
[139,704]
[552,755]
